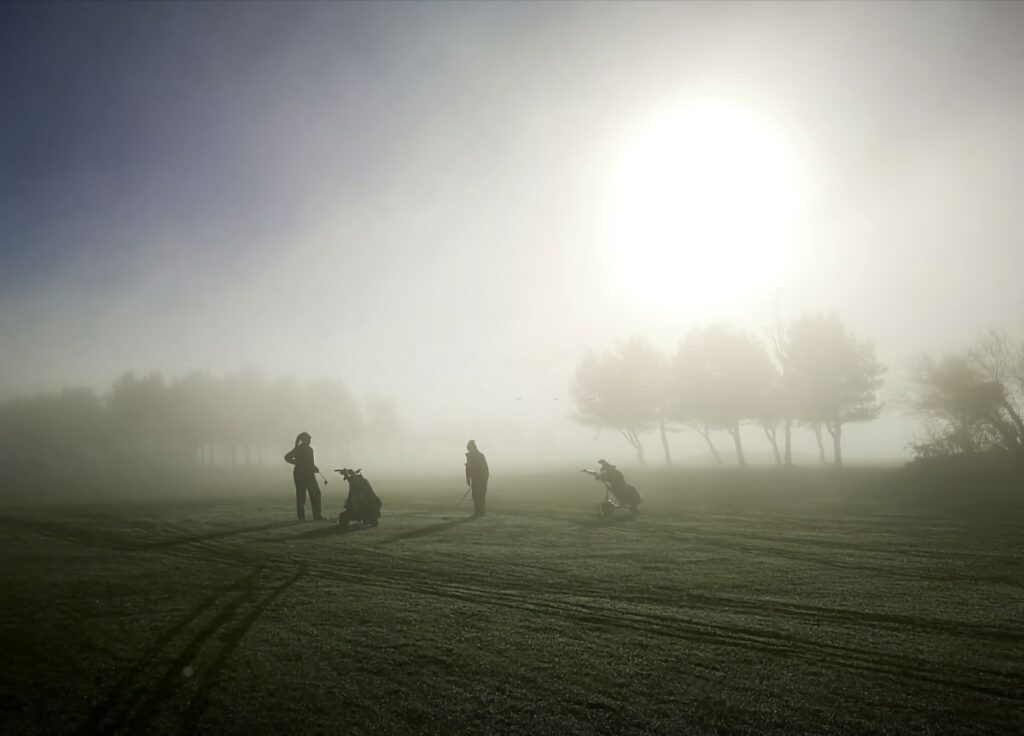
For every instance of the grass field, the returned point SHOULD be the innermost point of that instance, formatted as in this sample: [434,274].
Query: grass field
[699,616]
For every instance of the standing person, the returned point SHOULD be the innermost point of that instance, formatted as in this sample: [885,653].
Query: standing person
[477,474]
[301,456]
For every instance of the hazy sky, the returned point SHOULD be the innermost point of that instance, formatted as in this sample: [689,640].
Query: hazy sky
[432,200]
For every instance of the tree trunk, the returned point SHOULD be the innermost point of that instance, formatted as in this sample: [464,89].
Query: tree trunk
[789,441]
[711,445]
[770,433]
[837,440]
[741,459]
[664,443]
[821,446]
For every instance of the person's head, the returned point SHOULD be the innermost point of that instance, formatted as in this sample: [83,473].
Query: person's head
[605,464]
[303,438]
[471,446]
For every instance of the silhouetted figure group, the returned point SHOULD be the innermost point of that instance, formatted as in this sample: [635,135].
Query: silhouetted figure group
[363,505]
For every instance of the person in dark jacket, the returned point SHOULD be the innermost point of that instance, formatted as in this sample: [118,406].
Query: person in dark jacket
[301,456]
[477,475]
[362,504]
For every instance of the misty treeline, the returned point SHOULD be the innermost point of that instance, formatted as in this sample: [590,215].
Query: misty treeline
[813,375]
[198,420]
[971,401]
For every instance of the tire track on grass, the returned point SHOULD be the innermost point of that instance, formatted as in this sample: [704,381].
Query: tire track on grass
[1004,685]
[213,549]
[199,645]
[611,614]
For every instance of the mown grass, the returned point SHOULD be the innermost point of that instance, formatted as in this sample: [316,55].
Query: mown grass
[799,606]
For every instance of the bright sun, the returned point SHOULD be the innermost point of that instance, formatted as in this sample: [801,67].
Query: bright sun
[705,208]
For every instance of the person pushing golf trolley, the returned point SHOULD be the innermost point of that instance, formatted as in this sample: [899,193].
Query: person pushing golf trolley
[617,492]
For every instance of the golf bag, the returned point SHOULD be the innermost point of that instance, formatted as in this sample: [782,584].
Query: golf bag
[616,496]
[362,505]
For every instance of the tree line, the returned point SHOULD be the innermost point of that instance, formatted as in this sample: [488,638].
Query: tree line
[813,374]
[197,419]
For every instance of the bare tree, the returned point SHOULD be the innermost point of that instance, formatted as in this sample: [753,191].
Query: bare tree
[971,402]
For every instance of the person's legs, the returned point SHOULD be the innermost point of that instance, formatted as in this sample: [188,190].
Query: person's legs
[300,499]
[313,488]
[479,497]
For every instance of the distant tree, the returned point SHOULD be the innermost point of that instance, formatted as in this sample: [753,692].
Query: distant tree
[625,390]
[1001,361]
[198,418]
[69,428]
[243,413]
[722,378]
[139,410]
[835,378]
[971,402]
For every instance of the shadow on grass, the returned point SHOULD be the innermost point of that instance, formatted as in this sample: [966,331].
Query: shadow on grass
[219,535]
[425,530]
[332,529]
[610,520]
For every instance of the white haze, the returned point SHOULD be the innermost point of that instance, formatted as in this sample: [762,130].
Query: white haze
[440,178]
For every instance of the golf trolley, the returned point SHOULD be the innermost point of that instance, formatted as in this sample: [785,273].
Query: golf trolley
[625,497]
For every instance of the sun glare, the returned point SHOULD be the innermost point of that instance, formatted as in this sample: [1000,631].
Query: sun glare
[705,206]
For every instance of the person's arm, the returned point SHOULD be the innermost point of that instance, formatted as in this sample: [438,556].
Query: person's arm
[290,457]
[467,470]
[315,468]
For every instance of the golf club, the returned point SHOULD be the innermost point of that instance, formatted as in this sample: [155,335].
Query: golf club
[459,504]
